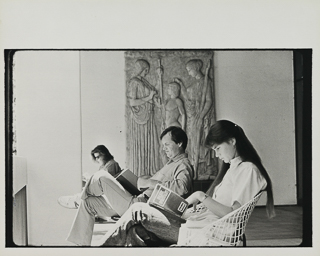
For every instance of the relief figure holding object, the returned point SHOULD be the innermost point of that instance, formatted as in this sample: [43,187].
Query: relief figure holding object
[199,103]
[144,143]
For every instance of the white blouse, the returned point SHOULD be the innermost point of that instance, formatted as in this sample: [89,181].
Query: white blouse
[240,184]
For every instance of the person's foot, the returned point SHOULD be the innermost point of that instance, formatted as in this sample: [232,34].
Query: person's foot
[70,202]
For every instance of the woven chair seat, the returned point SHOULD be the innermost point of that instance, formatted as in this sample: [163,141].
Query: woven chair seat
[226,231]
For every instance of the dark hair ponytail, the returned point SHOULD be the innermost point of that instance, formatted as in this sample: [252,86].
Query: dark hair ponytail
[224,130]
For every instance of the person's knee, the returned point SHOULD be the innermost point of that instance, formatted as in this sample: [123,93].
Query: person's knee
[103,175]
[89,205]
[108,181]
[139,206]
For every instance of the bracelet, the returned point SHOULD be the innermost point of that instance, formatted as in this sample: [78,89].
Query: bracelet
[205,197]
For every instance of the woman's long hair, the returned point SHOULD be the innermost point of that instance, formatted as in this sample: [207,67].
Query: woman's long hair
[223,131]
[103,151]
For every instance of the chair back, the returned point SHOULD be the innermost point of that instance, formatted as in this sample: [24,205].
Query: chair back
[226,231]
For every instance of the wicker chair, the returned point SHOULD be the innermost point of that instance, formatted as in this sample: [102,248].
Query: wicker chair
[227,231]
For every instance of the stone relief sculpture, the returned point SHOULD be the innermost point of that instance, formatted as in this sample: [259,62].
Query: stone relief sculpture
[174,108]
[142,96]
[188,102]
[198,97]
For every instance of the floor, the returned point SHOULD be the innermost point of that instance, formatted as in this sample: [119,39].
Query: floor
[100,228]
[282,231]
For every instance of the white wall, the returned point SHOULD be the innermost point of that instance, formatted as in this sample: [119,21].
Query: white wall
[102,105]
[48,135]
[255,90]
[67,103]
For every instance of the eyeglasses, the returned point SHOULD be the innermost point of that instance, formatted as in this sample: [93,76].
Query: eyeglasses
[97,157]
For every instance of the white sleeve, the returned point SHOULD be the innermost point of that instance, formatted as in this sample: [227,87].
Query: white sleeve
[248,183]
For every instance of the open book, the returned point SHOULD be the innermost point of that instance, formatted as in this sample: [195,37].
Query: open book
[129,181]
[167,200]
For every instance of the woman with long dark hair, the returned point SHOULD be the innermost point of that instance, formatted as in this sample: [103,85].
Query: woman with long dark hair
[225,131]
[241,177]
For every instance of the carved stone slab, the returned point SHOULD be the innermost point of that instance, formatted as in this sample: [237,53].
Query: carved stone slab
[166,88]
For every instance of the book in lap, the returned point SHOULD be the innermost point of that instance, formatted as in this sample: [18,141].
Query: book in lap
[167,200]
[129,181]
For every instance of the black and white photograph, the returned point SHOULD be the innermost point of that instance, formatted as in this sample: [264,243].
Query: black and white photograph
[93,132]
[94,113]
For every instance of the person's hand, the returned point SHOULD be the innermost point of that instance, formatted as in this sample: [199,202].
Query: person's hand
[138,216]
[194,198]
[142,183]
[86,176]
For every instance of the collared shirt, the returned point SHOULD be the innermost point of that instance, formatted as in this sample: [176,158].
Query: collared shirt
[176,175]
[241,183]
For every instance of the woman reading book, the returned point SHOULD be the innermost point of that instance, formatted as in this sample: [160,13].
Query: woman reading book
[241,177]
[102,156]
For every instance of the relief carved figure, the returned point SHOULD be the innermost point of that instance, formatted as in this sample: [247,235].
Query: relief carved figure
[187,102]
[199,101]
[175,114]
[144,143]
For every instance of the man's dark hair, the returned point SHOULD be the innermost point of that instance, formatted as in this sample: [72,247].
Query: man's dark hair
[177,135]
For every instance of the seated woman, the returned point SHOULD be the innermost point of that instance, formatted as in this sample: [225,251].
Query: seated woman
[102,156]
[242,176]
